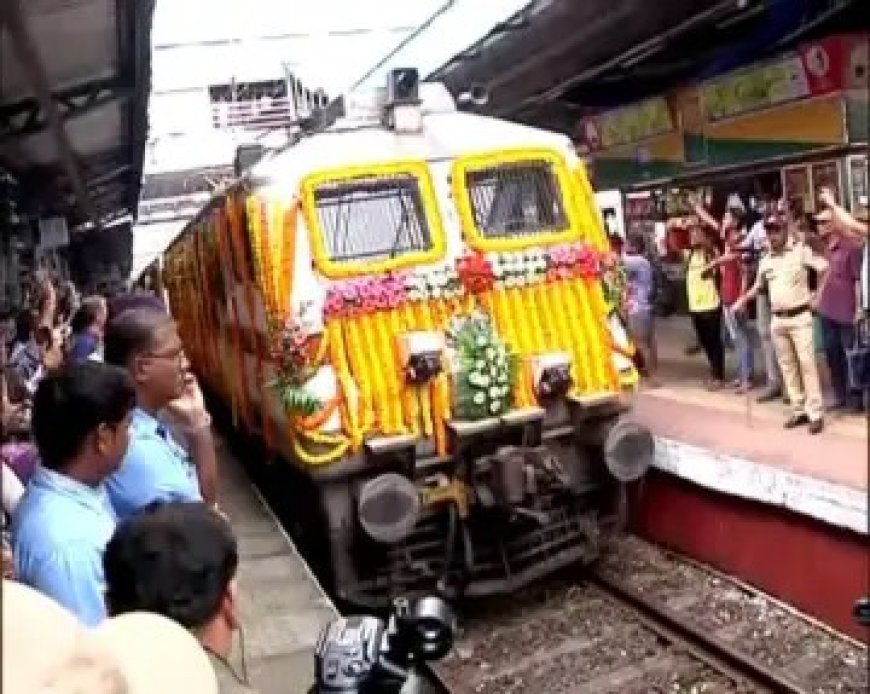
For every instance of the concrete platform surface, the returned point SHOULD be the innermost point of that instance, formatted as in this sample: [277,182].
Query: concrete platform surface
[756,433]
[823,477]
[283,607]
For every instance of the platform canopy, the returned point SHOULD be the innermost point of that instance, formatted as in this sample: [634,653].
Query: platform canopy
[74,84]
[555,61]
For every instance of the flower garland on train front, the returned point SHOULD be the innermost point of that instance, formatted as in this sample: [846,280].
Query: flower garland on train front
[474,273]
[434,296]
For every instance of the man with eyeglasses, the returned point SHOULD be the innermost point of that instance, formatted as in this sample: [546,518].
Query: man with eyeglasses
[157,467]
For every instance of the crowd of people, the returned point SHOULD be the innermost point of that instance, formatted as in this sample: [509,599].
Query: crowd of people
[119,569]
[794,284]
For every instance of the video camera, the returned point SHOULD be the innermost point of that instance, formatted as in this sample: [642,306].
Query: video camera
[365,655]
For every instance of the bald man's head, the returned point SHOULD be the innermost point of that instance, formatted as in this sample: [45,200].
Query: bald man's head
[132,334]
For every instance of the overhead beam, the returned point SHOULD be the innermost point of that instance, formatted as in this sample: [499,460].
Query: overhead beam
[110,176]
[27,117]
[31,63]
[719,11]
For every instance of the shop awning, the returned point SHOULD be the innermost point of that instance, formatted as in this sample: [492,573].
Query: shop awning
[557,61]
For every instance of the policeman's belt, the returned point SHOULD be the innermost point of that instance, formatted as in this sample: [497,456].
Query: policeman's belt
[791,312]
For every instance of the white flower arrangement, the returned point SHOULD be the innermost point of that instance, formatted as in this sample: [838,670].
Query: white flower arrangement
[517,269]
[440,283]
[486,370]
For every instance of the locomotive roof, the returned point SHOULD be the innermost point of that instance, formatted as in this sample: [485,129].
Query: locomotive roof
[361,138]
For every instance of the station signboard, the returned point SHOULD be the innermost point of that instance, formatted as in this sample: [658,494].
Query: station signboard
[816,69]
[627,125]
[796,103]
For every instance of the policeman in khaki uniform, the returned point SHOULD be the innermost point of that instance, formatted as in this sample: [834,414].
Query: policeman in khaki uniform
[784,270]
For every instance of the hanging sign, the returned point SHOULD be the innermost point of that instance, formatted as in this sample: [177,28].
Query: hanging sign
[627,125]
[815,69]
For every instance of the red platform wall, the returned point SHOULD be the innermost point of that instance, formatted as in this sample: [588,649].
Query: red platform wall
[819,569]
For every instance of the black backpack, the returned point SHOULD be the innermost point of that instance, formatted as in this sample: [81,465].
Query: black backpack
[663,299]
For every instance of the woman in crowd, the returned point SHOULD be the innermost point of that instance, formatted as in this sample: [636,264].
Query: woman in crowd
[16,452]
[705,305]
[88,326]
[639,304]
[733,273]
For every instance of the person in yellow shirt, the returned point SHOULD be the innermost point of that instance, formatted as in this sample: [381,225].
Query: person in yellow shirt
[784,270]
[705,306]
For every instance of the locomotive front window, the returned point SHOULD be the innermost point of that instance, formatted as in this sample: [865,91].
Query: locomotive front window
[516,199]
[372,219]
[509,200]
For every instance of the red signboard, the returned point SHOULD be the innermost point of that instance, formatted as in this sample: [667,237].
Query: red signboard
[824,65]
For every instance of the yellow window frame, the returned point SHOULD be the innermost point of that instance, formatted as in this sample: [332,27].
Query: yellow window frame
[340,269]
[479,162]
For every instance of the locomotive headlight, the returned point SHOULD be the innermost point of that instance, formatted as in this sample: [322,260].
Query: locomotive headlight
[552,374]
[388,508]
[629,450]
[421,355]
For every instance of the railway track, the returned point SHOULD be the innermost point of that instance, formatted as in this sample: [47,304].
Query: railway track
[647,622]
[707,648]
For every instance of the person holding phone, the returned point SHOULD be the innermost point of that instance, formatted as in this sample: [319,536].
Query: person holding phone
[705,305]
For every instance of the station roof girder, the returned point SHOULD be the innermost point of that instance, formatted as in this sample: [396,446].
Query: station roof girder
[74,85]
[561,60]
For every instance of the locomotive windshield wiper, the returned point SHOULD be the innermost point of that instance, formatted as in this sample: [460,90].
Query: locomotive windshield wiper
[400,227]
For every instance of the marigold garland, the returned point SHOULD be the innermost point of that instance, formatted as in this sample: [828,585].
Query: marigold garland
[236,377]
[318,419]
[288,256]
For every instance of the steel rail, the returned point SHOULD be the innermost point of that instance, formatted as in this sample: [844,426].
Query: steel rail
[708,648]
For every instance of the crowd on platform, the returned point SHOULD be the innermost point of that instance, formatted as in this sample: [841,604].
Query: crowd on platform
[119,569]
[795,284]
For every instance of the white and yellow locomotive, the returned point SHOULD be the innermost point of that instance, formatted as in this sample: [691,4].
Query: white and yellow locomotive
[411,304]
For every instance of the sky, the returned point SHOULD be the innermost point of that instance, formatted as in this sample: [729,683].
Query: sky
[327,43]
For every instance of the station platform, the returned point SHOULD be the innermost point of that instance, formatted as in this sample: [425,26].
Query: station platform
[731,443]
[724,443]
[282,606]
[780,509]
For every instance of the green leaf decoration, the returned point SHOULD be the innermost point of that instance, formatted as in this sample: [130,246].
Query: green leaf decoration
[486,372]
[298,401]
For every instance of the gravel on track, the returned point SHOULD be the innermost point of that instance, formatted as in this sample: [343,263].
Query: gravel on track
[563,635]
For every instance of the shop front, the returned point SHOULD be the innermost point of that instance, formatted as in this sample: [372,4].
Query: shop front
[800,119]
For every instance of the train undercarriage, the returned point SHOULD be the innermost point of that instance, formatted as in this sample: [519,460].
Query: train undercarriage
[519,498]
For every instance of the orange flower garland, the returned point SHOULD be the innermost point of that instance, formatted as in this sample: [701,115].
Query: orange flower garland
[288,257]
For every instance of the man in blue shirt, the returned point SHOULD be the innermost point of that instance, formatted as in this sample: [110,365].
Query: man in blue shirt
[81,420]
[157,468]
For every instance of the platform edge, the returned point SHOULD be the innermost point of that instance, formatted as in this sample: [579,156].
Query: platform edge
[831,503]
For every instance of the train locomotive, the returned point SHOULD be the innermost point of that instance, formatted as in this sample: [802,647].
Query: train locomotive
[413,306]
